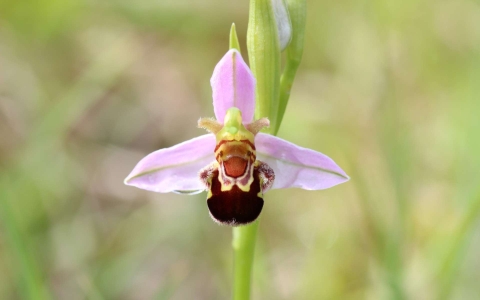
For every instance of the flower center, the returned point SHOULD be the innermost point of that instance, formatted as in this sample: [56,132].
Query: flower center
[235,166]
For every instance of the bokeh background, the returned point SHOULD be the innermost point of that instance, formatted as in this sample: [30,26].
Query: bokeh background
[389,89]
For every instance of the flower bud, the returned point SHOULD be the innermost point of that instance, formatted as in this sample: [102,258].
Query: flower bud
[284,26]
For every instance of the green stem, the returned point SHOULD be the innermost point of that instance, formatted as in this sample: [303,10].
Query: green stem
[244,248]
[456,254]
[264,57]
[31,284]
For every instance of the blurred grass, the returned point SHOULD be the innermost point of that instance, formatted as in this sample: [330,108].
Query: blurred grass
[387,89]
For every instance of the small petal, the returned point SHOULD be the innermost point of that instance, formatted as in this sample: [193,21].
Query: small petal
[174,169]
[295,166]
[233,85]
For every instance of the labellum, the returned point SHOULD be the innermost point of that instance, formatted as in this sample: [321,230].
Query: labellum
[236,180]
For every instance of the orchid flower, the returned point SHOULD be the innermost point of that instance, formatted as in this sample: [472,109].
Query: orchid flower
[235,163]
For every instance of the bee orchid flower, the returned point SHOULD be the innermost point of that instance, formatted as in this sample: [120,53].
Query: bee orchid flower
[235,162]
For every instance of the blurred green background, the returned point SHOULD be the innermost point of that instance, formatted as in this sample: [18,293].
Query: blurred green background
[389,89]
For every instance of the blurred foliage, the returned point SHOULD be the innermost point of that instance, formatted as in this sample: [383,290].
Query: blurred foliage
[389,89]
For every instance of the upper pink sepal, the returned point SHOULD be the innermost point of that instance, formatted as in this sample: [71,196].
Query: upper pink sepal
[174,169]
[295,166]
[233,85]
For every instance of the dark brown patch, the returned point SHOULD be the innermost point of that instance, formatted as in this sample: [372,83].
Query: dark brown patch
[235,166]
[235,207]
